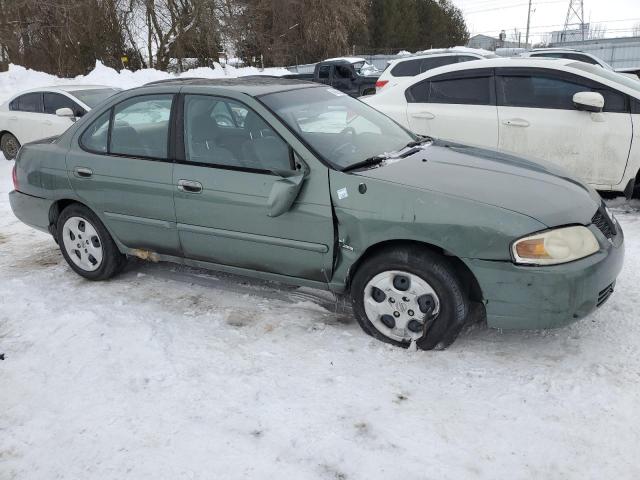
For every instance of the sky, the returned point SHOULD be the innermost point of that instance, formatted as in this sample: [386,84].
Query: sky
[489,17]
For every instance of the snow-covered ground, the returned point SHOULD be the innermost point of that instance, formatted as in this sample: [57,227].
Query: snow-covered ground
[18,78]
[174,373]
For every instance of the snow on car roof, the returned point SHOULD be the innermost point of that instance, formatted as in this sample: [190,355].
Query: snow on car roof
[346,59]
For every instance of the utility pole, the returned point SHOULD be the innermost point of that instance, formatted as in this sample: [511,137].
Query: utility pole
[526,38]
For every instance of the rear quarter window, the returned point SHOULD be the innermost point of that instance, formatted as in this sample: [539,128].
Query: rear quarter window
[408,68]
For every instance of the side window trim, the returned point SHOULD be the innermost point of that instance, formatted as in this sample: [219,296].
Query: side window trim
[181,156]
[111,111]
[19,103]
[463,74]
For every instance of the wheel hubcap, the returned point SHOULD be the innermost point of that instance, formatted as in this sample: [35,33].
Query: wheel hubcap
[399,303]
[82,243]
[11,147]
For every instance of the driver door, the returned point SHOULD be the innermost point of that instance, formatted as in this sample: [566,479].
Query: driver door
[222,191]
[538,118]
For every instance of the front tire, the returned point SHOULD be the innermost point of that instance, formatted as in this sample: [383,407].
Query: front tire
[409,294]
[86,244]
[10,146]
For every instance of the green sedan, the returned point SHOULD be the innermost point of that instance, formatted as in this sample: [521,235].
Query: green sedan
[297,182]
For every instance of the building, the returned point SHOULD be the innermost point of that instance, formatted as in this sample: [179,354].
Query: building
[573,35]
[490,43]
[621,53]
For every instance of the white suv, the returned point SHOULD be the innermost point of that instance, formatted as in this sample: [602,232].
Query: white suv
[413,65]
[576,115]
[571,54]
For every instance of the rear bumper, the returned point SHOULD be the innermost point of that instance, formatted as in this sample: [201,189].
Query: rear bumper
[519,297]
[33,211]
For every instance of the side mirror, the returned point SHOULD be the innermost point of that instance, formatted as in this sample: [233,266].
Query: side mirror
[589,101]
[66,113]
[283,193]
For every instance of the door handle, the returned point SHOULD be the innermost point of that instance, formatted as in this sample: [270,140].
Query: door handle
[516,122]
[425,115]
[189,186]
[83,172]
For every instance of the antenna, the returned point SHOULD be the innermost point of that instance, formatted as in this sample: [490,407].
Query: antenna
[526,38]
[575,16]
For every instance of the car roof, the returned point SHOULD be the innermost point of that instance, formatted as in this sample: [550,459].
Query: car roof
[541,62]
[253,85]
[561,64]
[556,49]
[418,56]
[66,88]
[345,59]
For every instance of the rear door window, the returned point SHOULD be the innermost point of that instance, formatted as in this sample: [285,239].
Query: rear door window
[468,87]
[29,102]
[141,126]
[323,72]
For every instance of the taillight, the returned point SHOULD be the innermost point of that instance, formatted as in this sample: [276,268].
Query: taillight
[14,177]
[381,83]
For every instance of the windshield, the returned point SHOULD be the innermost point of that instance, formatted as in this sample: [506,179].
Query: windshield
[93,97]
[612,76]
[341,129]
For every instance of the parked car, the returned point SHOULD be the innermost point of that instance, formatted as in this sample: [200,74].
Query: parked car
[45,112]
[572,54]
[413,65]
[581,117]
[351,75]
[298,182]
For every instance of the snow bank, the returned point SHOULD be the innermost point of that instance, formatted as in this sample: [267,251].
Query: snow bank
[18,78]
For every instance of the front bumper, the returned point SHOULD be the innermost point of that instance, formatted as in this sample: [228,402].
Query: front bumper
[34,211]
[520,297]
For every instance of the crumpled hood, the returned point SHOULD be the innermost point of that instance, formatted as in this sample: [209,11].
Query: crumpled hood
[537,189]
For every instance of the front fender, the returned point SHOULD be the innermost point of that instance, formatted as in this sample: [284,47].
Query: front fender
[386,212]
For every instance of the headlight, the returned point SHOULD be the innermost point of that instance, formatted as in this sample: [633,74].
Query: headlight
[552,247]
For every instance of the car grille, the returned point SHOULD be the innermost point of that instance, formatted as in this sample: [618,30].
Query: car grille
[604,223]
[604,295]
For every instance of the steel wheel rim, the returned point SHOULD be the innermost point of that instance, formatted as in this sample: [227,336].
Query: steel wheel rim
[82,243]
[417,303]
[11,146]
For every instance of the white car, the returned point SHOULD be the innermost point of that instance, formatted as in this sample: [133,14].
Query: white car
[576,115]
[413,65]
[45,112]
[571,54]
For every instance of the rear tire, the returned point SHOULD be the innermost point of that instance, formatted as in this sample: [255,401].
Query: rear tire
[10,146]
[86,244]
[406,294]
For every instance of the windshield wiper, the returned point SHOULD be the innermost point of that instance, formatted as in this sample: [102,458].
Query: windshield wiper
[367,162]
[422,139]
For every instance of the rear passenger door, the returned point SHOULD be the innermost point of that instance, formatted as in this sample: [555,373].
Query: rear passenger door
[458,106]
[538,118]
[25,117]
[223,181]
[123,171]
